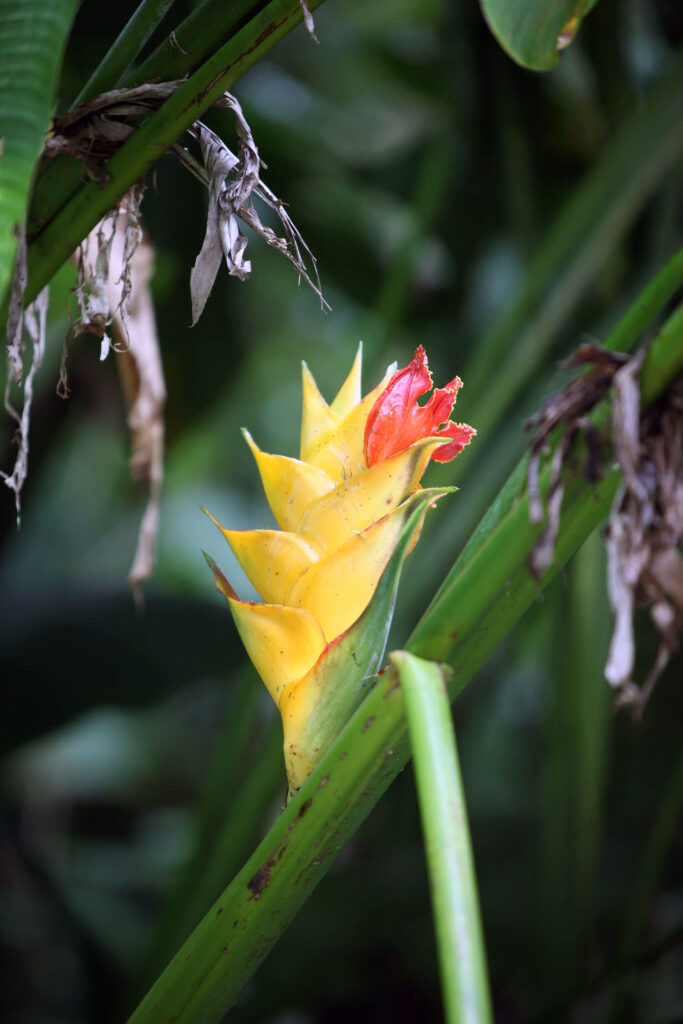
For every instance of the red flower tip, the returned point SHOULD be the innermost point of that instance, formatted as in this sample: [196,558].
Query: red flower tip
[396,420]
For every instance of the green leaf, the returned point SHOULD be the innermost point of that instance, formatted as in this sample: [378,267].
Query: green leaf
[459,934]
[533,32]
[32,38]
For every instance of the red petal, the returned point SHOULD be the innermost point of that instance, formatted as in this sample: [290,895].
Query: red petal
[396,420]
[461,434]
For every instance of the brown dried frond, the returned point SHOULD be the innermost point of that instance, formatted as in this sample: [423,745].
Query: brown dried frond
[232,181]
[114,294]
[644,536]
[33,322]
[568,408]
[94,130]
[645,532]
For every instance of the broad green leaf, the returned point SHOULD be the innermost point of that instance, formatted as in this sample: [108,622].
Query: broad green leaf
[533,32]
[32,38]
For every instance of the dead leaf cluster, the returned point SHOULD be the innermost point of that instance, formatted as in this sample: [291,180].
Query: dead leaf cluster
[232,181]
[31,322]
[645,531]
[568,408]
[115,266]
[94,130]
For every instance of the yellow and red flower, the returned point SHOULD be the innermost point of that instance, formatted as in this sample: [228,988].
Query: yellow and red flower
[342,507]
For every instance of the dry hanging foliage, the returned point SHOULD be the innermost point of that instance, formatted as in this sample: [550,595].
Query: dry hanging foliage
[20,321]
[569,408]
[646,523]
[96,129]
[645,531]
[115,267]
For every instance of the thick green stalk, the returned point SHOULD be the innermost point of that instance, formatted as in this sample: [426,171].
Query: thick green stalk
[125,48]
[459,934]
[449,533]
[209,25]
[621,338]
[222,953]
[195,39]
[58,240]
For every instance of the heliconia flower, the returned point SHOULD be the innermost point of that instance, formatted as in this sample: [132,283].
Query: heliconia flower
[348,510]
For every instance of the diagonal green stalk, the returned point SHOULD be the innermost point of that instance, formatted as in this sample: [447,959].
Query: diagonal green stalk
[138,154]
[623,337]
[471,615]
[125,48]
[202,31]
[459,934]
[195,39]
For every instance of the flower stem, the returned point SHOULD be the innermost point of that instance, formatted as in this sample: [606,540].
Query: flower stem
[460,940]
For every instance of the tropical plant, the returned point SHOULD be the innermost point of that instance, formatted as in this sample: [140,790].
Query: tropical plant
[452,201]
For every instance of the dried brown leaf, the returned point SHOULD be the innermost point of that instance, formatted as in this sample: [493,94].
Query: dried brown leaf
[308,20]
[117,264]
[33,320]
[645,533]
[232,182]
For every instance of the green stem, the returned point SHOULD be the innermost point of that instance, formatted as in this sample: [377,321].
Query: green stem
[460,940]
[659,368]
[225,949]
[138,154]
[125,48]
[198,35]
[206,28]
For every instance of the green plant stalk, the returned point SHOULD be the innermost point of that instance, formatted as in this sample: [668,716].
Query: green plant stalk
[57,241]
[574,250]
[209,25]
[460,939]
[222,953]
[202,32]
[448,533]
[32,38]
[659,368]
[125,48]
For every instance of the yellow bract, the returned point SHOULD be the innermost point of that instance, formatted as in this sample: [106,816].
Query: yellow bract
[340,523]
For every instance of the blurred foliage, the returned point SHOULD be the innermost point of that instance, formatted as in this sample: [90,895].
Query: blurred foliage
[424,169]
